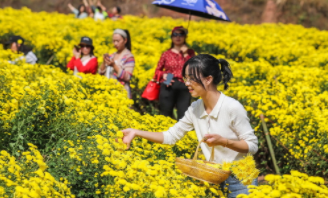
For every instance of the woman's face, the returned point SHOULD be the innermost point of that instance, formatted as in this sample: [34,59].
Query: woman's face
[82,9]
[178,37]
[119,42]
[14,47]
[114,10]
[85,49]
[196,89]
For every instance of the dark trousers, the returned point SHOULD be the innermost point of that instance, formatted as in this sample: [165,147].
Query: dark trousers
[177,96]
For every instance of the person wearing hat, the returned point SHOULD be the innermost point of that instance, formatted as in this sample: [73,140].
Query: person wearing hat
[16,44]
[120,65]
[83,59]
[175,94]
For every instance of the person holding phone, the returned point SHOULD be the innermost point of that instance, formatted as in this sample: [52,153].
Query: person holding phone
[120,64]
[83,59]
[174,93]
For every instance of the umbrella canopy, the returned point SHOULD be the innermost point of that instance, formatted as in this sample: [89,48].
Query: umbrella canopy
[202,8]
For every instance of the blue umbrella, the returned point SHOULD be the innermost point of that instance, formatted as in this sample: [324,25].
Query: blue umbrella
[202,8]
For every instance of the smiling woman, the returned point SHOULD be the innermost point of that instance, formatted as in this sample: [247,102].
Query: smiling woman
[220,120]
[83,59]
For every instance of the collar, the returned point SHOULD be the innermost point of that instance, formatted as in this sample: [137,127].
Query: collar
[215,112]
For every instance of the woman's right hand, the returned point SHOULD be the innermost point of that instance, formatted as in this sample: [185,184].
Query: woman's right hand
[128,136]
[76,53]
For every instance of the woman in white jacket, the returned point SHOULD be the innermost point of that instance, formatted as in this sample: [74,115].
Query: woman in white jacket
[16,44]
[216,118]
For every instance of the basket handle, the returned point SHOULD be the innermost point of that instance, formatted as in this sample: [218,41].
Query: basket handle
[196,154]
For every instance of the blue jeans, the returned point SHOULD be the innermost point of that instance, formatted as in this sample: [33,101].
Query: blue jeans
[235,187]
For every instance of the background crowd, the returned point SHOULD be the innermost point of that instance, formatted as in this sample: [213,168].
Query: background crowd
[96,10]
[120,65]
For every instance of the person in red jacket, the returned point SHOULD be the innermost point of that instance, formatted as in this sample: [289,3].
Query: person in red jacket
[83,59]
[176,94]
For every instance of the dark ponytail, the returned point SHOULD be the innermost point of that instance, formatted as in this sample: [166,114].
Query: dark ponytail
[225,72]
[206,65]
[128,42]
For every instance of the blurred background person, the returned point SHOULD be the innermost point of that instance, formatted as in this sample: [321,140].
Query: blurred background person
[83,59]
[96,10]
[102,9]
[115,13]
[176,94]
[80,13]
[16,44]
[120,64]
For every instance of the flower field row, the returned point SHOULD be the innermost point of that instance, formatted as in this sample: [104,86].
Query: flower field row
[296,185]
[75,123]
[279,71]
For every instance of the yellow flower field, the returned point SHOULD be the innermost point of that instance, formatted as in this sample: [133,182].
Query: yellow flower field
[279,71]
[296,185]
[76,123]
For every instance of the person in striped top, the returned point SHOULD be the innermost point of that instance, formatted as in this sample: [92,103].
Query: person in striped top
[120,64]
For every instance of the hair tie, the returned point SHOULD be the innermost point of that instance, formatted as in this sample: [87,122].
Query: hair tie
[120,32]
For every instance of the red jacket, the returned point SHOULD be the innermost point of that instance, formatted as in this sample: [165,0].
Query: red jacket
[90,67]
[171,62]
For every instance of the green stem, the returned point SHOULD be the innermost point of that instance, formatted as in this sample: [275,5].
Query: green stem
[268,139]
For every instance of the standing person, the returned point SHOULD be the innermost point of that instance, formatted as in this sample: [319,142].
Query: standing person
[218,119]
[16,44]
[120,65]
[97,12]
[83,59]
[172,62]
[100,14]
[80,13]
[89,7]
[115,14]
[102,9]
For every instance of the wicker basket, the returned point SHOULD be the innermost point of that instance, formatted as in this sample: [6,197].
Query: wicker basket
[201,171]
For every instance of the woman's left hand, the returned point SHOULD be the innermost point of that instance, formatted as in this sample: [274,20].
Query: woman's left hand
[184,49]
[109,61]
[215,140]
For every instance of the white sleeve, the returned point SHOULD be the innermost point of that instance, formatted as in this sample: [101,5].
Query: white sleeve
[241,125]
[180,129]
[30,58]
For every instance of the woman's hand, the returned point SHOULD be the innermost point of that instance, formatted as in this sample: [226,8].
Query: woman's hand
[215,140]
[109,61]
[129,135]
[77,54]
[165,78]
[184,49]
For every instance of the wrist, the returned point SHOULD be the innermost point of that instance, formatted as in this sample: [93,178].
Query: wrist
[137,133]
[224,142]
